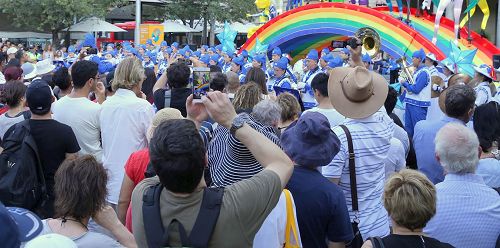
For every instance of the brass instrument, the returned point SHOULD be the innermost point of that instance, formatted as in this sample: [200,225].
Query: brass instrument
[406,70]
[370,40]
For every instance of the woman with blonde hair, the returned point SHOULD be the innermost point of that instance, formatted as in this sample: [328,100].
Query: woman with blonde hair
[410,201]
[247,96]
[290,110]
[125,120]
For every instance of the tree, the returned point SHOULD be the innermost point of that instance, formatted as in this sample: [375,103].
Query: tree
[54,15]
[188,11]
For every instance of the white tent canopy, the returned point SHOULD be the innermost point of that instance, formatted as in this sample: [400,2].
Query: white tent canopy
[94,24]
[21,35]
[170,26]
[242,28]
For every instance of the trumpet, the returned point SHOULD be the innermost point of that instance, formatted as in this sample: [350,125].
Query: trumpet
[406,70]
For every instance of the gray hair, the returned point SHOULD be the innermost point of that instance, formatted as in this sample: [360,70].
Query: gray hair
[460,98]
[233,82]
[457,148]
[267,112]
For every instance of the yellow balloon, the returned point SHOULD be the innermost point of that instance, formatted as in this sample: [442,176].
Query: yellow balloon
[263,4]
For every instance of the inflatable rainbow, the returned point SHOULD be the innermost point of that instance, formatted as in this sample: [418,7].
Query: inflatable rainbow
[314,26]
[425,26]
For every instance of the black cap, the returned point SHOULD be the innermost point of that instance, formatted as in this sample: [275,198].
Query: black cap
[39,97]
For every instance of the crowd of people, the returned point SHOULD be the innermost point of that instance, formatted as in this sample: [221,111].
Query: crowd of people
[121,154]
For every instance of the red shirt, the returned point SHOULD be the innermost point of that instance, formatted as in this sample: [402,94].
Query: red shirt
[135,168]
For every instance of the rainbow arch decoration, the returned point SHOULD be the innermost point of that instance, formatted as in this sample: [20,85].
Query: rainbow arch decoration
[313,26]
[425,26]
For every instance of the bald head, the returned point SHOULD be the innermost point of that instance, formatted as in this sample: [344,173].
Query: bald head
[457,149]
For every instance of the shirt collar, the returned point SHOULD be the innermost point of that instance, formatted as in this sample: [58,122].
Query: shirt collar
[469,177]
[451,119]
[484,84]
[125,92]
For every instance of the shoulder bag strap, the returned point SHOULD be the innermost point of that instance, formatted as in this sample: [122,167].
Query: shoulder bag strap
[291,223]
[377,242]
[352,169]
[207,217]
[155,232]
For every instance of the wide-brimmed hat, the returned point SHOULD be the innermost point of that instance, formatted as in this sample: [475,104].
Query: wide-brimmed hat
[484,69]
[43,67]
[356,92]
[18,225]
[310,141]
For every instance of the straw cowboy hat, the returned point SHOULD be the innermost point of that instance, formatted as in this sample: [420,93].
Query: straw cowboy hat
[43,67]
[356,92]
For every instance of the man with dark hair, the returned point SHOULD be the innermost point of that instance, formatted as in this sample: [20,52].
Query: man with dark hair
[179,158]
[319,84]
[218,81]
[459,107]
[55,141]
[177,78]
[78,112]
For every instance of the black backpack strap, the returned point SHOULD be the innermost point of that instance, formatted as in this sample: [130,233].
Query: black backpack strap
[39,169]
[377,242]
[27,115]
[155,233]
[207,217]
[168,98]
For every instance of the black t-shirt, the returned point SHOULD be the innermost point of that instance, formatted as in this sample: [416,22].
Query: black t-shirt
[177,101]
[413,241]
[53,140]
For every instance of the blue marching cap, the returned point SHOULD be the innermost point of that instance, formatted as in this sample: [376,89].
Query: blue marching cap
[143,47]
[261,58]
[277,51]
[147,54]
[218,47]
[313,54]
[71,49]
[204,47]
[175,44]
[197,54]
[110,45]
[420,54]
[149,42]
[327,57]
[215,58]
[282,63]
[244,53]
[239,61]
[366,58]
[345,50]
[335,62]
[164,44]
[169,50]
[205,59]
[325,50]
[212,49]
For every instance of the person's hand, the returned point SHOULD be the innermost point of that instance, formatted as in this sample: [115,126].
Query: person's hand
[107,218]
[219,108]
[356,53]
[143,96]
[195,111]
[100,92]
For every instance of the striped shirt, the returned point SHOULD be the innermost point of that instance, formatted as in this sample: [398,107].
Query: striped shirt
[371,140]
[229,160]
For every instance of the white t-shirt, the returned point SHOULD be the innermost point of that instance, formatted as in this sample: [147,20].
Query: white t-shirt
[395,160]
[125,120]
[272,231]
[333,116]
[82,115]
[7,121]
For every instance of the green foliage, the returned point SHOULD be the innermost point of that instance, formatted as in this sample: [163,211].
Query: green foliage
[53,15]
[220,10]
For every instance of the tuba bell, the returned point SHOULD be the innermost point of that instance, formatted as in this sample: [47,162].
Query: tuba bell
[370,40]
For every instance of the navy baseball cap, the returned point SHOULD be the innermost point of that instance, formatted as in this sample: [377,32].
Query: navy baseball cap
[18,225]
[39,97]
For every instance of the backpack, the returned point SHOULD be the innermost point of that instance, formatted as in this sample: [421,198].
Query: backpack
[204,225]
[22,183]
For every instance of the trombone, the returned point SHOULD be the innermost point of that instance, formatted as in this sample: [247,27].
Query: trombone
[406,70]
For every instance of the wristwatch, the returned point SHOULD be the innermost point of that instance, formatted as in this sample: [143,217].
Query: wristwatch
[238,122]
